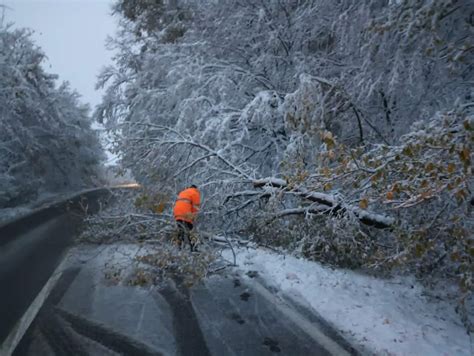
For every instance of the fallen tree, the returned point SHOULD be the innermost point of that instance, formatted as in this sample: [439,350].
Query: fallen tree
[328,204]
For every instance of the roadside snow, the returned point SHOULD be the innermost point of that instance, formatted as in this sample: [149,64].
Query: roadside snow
[9,214]
[387,317]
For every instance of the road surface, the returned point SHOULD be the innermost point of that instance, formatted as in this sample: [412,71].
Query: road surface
[226,314]
[56,305]
[32,247]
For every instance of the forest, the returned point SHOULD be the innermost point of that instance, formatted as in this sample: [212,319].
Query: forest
[47,144]
[339,130]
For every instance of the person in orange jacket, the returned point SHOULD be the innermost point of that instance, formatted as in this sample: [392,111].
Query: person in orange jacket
[185,213]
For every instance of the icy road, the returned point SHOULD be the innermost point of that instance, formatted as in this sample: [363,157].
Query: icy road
[232,313]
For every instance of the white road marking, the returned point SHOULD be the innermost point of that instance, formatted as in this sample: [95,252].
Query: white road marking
[19,330]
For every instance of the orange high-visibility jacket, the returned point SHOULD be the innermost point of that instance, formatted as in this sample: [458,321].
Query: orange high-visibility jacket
[187,205]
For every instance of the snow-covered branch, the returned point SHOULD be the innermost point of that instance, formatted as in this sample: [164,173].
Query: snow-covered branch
[329,201]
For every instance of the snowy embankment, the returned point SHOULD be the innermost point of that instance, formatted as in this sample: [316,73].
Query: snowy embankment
[8,215]
[386,317]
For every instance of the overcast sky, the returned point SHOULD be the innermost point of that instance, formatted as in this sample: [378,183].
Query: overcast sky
[72,33]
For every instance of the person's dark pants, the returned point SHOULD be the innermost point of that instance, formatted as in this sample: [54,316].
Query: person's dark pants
[184,233]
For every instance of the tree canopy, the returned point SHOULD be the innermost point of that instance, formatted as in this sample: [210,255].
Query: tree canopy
[46,140]
[307,122]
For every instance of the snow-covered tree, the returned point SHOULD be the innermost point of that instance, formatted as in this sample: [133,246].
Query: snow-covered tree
[289,114]
[46,142]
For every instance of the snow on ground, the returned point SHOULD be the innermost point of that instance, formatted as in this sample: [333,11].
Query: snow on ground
[9,214]
[387,317]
